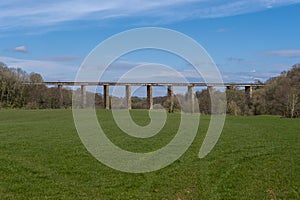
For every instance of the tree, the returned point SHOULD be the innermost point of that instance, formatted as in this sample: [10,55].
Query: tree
[15,92]
[35,78]
[282,93]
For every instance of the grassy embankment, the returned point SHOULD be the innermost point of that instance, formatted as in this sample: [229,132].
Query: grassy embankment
[41,156]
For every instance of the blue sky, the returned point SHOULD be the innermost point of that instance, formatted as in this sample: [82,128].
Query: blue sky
[248,40]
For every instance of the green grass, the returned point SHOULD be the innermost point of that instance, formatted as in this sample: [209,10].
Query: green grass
[42,157]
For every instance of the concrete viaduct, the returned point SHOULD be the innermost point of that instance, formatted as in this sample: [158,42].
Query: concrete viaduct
[248,90]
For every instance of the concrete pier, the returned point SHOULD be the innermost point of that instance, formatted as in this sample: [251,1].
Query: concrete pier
[230,87]
[248,94]
[210,89]
[128,96]
[171,98]
[191,98]
[106,96]
[60,95]
[149,97]
[83,96]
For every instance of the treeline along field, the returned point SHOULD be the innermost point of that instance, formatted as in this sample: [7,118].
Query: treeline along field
[42,157]
[279,96]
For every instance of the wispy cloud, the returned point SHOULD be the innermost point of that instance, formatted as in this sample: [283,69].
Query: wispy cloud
[238,62]
[17,13]
[221,30]
[64,58]
[55,68]
[234,59]
[249,77]
[50,70]
[284,53]
[21,49]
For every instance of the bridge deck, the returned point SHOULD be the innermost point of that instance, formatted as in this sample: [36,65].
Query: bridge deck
[70,83]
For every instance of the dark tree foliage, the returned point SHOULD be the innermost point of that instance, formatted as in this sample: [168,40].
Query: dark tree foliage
[12,91]
[281,95]
[19,89]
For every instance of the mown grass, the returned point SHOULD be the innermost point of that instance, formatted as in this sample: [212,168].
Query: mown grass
[42,157]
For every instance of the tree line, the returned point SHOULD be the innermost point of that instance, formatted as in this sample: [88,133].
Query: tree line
[279,96]
[19,89]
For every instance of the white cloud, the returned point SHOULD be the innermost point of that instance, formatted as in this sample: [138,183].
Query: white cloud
[249,77]
[64,58]
[32,13]
[234,59]
[284,53]
[21,49]
[221,30]
[66,71]
[51,71]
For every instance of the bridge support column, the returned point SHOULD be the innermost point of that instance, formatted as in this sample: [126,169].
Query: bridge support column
[83,96]
[128,97]
[60,95]
[171,98]
[149,97]
[191,98]
[106,96]
[210,89]
[248,94]
[229,87]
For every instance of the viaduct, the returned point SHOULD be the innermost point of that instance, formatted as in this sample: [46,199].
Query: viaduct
[190,88]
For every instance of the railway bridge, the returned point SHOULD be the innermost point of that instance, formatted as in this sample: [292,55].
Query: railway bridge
[248,88]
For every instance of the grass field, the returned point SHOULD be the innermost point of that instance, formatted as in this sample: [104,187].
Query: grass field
[41,156]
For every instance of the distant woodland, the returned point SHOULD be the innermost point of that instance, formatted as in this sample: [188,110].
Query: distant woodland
[279,96]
